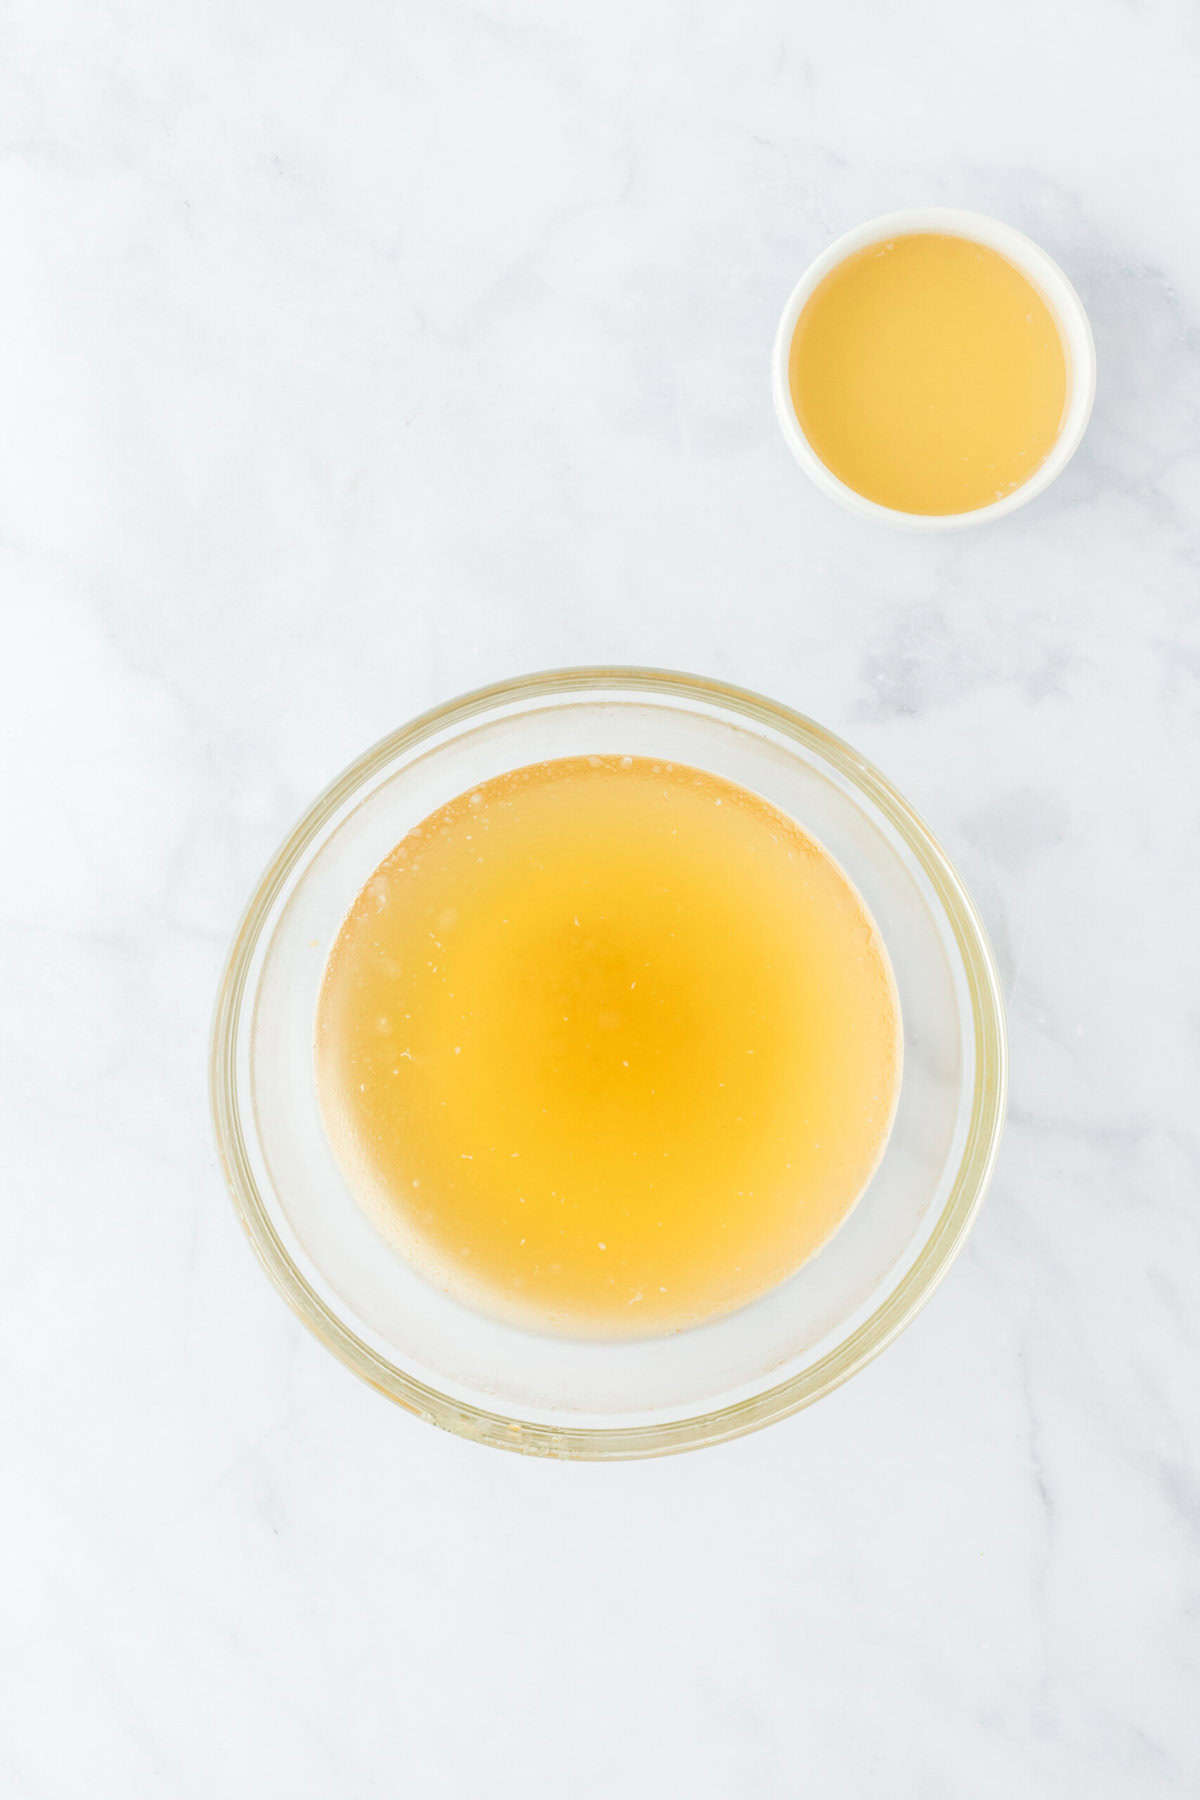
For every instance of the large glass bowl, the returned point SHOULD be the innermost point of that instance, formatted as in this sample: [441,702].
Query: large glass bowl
[549,1395]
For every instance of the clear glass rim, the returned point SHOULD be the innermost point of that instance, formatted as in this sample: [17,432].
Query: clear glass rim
[870,1337]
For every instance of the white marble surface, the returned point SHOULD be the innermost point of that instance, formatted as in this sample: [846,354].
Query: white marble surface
[355,355]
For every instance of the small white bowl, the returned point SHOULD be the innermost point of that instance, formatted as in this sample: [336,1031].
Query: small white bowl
[1055,290]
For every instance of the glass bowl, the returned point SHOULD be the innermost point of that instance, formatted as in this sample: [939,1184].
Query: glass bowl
[550,1395]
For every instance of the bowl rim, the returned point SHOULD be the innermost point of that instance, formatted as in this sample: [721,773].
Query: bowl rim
[871,1336]
[1047,277]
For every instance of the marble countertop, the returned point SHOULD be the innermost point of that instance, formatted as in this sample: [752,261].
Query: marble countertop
[354,356]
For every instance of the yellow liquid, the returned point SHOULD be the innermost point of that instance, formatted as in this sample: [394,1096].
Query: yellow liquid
[608,1046]
[928,374]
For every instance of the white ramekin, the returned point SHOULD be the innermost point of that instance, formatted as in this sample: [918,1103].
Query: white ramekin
[1054,288]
